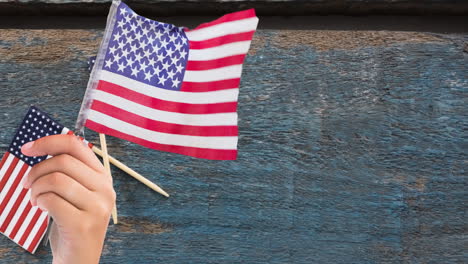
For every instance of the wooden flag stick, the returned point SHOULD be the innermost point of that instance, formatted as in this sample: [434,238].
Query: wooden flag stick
[131,172]
[105,159]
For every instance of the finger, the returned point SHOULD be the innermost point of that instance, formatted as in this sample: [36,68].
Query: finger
[65,187]
[60,210]
[62,144]
[68,165]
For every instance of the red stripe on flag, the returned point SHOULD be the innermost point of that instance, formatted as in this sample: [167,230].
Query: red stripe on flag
[163,105]
[227,18]
[210,86]
[38,236]
[13,211]
[31,225]
[21,220]
[5,157]
[213,154]
[163,127]
[8,173]
[214,64]
[218,41]
[12,189]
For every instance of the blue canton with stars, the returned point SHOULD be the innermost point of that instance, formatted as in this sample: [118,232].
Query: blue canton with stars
[36,124]
[146,50]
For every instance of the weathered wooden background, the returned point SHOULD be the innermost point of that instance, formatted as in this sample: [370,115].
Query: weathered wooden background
[352,145]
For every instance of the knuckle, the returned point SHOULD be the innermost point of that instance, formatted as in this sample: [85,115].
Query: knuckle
[99,216]
[72,141]
[101,185]
[112,195]
[54,179]
[103,210]
[109,193]
[69,140]
[46,198]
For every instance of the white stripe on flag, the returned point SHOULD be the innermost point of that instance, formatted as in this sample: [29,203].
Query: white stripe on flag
[231,49]
[18,213]
[228,95]
[226,28]
[163,138]
[6,165]
[25,223]
[10,181]
[13,199]
[219,119]
[36,227]
[218,74]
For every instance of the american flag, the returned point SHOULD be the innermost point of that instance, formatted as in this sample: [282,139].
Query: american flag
[19,220]
[167,87]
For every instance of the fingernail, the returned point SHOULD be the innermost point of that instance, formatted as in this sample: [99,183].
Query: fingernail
[23,182]
[33,202]
[27,147]
[41,207]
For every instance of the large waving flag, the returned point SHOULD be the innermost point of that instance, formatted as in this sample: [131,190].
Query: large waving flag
[169,88]
[19,220]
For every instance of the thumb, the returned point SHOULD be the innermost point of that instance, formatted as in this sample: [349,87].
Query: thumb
[62,144]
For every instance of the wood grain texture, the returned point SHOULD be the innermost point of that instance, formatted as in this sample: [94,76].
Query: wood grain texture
[217,7]
[351,150]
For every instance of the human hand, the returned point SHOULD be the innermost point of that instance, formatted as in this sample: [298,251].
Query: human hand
[76,190]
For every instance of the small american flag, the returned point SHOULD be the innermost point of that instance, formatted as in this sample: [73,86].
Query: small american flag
[19,220]
[169,88]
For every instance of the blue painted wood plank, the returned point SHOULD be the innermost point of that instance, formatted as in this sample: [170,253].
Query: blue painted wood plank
[351,150]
